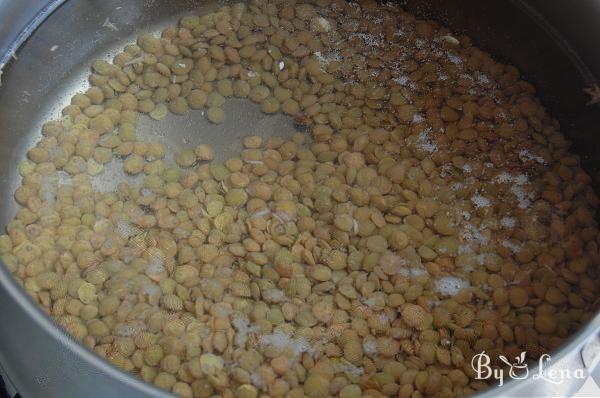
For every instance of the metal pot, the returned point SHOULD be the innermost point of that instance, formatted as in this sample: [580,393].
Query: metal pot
[45,49]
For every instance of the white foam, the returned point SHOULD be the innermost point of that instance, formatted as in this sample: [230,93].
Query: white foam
[256,379]
[48,188]
[370,346]
[480,201]
[483,78]
[455,59]
[401,80]
[348,368]
[243,327]
[326,59]
[508,222]
[393,264]
[521,179]
[503,177]
[151,289]
[156,265]
[274,296]
[512,246]
[474,234]
[368,39]
[281,340]
[417,118]
[126,229]
[370,302]
[450,285]
[426,143]
[523,198]
[412,272]
[517,189]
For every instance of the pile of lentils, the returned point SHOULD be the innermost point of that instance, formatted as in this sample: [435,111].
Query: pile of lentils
[432,212]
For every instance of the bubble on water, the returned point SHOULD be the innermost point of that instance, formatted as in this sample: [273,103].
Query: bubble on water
[370,346]
[281,340]
[450,285]
[508,222]
[480,201]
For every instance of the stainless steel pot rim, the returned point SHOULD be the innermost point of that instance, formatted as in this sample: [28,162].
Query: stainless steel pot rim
[43,321]
[26,303]
[558,38]
[44,13]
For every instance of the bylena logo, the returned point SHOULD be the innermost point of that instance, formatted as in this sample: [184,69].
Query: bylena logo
[519,370]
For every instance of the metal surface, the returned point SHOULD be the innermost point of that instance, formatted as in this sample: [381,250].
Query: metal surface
[41,360]
[24,17]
